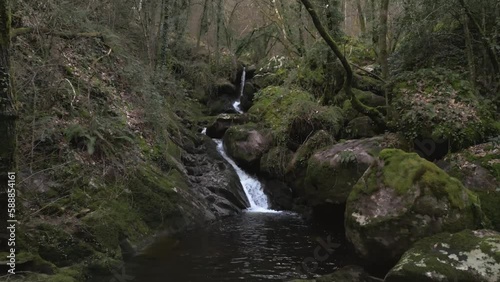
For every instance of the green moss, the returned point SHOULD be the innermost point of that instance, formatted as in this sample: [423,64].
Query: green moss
[274,163]
[402,170]
[292,115]
[490,203]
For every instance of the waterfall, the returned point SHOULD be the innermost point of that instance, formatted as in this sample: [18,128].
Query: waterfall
[237,103]
[251,185]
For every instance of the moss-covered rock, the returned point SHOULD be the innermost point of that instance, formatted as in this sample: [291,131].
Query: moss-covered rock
[223,121]
[273,164]
[293,115]
[441,105]
[333,171]
[296,170]
[478,168]
[361,127]
[464,256]
[402,198]
[246,145]
[350,273]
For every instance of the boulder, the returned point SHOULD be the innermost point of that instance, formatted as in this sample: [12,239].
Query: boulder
[401,199]
[478,167]
[333,171]
[221,105]
[225,87]
[246,145]
[294,115]
[223,122]
[361,127]
[464,256]
[351,273]
[296,170]
[273,163]
[279,193]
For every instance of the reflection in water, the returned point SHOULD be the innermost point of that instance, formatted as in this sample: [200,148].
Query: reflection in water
[249,247]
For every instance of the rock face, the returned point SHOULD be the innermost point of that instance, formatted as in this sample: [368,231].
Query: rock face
[349,273]
[215,180]
[246,146]
[401,199]
[248,95]
[465,256]
[333,171]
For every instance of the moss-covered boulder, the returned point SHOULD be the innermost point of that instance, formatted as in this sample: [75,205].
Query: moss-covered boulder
[403,198]
[293,115]
[440,104]
[225,87]
[478,167]
[361,127]
[351,273]
[464,256]
[273,164]
[246,145]
[223,121]
[333,171]
[296,169]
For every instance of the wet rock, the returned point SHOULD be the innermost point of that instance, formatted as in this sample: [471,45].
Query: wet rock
[217,183]
[246,145]
[401,199]
[465,256]
[248,95]
[279,193]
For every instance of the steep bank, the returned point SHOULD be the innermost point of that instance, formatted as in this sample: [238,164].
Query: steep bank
[109,154]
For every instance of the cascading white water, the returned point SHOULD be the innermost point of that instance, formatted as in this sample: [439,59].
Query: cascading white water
[252,186]
[237,103]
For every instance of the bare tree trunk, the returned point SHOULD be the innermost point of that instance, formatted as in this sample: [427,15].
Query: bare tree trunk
[373,113]
[490,49]
[361,17]
[203,23]
[470,52]
[382,38]
[7,112]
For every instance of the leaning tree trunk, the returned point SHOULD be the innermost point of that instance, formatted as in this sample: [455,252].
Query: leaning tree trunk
[7,114]
[373,113]
[382,38]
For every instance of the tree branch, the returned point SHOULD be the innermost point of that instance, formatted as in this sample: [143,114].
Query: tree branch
[371,112]
[65,35]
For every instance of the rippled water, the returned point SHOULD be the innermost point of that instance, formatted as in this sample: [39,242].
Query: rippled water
[248,247]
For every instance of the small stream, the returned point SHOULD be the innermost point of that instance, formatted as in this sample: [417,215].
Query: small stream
[260,244]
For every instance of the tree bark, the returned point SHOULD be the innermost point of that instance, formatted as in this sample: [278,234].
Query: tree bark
[382,38]
[373,113]
[7,112]
[361,17]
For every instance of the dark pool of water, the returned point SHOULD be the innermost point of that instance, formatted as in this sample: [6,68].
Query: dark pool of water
[248,247]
